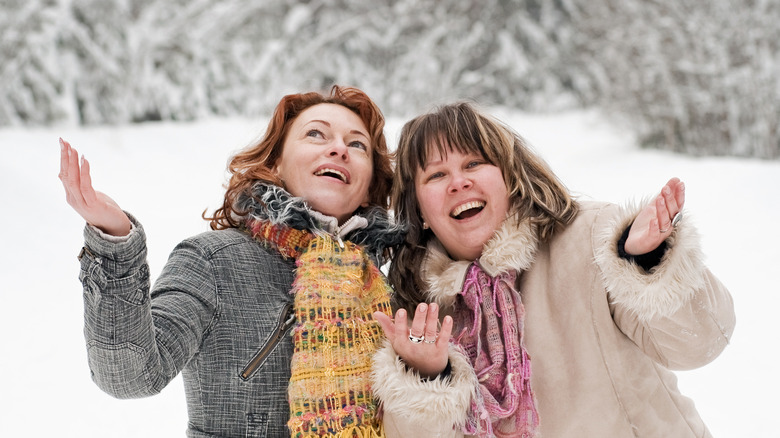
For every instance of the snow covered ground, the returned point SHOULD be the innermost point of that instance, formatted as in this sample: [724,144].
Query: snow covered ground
[167,174]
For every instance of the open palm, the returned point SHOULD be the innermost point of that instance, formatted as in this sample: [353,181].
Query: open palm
[97,208]
[655,222]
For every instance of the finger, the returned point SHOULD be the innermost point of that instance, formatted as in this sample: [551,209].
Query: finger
[72,180]
[446,331]
[432,322]
[653,226]
[679,194]
[85,186]
[669,199]
[662,220]
[386,323]
[63,160]
[64,175]
[73,168]
[418,323]
[401,330]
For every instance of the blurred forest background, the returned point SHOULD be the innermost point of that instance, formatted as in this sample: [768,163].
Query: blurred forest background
[692,76]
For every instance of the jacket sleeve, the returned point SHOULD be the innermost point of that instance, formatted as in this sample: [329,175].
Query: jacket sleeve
[413,406]
[138,341]
[678,312]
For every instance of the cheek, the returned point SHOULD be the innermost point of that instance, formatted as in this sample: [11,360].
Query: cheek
[368,178]
[366,198]
[426,203]
[286,176]
[367,167]
[282,167]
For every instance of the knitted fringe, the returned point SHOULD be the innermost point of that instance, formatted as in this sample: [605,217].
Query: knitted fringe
[504,404]
[351,432]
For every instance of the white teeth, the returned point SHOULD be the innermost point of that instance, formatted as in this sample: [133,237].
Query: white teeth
[467,206]
[333,171]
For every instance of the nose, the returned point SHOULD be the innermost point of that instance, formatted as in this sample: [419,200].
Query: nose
[338,148]
[459,182]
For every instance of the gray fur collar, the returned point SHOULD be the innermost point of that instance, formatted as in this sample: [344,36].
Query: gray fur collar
[512,247]
[371,227]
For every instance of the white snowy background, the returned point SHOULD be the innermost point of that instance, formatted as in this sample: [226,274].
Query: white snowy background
[692,76]
[168,173]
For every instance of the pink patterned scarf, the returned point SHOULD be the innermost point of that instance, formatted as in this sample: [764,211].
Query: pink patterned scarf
[490,332]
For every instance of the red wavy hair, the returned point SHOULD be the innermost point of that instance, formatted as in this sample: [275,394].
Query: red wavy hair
[257,161]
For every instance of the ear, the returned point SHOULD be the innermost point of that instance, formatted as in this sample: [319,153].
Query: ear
[275,171]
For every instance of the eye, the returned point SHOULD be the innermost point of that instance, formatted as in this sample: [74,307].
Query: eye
[358,144]
[435,175]
[473,164]
[314,133]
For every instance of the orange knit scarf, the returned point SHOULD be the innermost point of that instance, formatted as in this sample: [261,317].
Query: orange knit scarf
[337,288]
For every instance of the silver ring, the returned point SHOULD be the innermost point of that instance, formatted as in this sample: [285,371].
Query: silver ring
[674,222]
[432,341]
[415,339]
[677,218]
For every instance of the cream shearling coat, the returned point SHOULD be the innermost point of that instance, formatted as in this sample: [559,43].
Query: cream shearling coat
[601,332]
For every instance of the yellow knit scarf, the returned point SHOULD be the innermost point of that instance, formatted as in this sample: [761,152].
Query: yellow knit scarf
[337,288]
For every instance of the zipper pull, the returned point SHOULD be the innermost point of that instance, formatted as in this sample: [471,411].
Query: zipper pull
[290,320]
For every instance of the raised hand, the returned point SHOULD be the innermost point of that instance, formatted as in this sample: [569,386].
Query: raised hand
[421,346]
[95,207]
[657,220]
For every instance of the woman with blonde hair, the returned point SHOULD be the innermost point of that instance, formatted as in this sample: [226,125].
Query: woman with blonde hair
[567,316]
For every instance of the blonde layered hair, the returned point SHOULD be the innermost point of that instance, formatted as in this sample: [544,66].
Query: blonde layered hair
[535,192]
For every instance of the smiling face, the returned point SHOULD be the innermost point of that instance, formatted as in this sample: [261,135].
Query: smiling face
[463,198]
[326,160]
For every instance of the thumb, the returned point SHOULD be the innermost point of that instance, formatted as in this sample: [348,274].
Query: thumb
[386,323]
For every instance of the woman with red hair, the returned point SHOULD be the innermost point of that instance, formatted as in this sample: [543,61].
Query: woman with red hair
[268,316]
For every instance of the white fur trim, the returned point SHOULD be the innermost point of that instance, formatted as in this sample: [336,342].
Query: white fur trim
[437,403]
[512,247]
[666,287]
[443,275]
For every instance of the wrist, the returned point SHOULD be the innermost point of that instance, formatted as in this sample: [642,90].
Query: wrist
[647,260]
[430,374]
[120,228]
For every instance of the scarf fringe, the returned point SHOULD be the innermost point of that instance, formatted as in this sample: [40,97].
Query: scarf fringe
[351,432]
[504,404]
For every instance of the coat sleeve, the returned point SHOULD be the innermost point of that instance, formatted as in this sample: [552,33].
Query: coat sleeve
[138,341]
[413,406]
[678,312]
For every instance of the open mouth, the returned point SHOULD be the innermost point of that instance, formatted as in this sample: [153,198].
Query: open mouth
[467,210]
[332,173]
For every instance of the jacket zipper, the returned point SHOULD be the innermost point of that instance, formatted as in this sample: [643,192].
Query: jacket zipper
[286,320]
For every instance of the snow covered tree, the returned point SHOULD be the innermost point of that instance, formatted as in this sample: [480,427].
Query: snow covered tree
[693,77]
[690,76]
[32,89]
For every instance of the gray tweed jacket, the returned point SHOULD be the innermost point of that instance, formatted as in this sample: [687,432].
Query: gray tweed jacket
[219,313]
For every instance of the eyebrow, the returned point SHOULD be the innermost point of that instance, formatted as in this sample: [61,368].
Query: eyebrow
[353,131]
[430,163]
